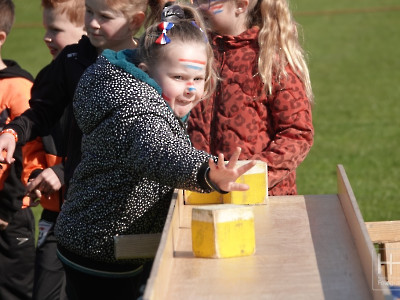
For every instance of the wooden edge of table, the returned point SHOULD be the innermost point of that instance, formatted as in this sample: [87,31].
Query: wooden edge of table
[384,231]
[159,276]
[159,280]
[361,237]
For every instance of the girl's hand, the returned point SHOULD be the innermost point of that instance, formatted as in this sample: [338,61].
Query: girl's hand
[224,175]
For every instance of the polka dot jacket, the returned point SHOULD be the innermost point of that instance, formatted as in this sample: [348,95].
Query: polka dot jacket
[134,152]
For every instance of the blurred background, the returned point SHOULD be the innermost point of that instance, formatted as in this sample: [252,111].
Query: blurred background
[354,59]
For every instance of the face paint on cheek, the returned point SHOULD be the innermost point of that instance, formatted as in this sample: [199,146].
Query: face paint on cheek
[216,9]
[166,98]
[193,64]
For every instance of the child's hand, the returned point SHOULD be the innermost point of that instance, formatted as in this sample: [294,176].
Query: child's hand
[224,175]
[46,183]
[7,144]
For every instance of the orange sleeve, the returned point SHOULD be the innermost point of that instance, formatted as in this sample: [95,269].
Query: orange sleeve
[21,97]
[34,157]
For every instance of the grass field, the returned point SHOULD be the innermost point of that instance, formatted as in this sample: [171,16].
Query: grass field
[353,49]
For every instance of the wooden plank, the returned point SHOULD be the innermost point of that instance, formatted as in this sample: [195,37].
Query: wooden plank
[365,248]
[384,231]
[159,278]
[136,245]
[391,259]
[312,242]
[297,241]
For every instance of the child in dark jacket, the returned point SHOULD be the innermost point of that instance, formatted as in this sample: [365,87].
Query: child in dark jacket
[44,157]
[109,25]
[263,101]
[17,228]
[135,151]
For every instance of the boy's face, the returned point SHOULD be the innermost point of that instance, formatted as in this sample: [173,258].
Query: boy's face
[181,75]
[60,32]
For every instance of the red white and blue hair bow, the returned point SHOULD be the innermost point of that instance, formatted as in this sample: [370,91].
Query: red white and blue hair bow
[163,38]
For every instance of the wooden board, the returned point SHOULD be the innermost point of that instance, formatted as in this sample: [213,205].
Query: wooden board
[386,236]
[305,248]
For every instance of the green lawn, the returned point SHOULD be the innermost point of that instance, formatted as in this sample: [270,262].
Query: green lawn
[355,70]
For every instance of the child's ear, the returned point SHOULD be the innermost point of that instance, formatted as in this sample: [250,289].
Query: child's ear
[143,67]
[3,37]
[137,20]
[241,6]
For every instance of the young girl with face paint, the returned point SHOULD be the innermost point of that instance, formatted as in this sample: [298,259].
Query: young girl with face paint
[135,151]
[263,101]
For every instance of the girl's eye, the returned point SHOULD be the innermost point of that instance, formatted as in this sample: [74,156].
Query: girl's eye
[199,79]
[178,77]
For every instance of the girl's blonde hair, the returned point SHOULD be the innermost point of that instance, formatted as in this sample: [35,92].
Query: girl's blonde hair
[152,8]
[75,9]
[279,42]
[188,29]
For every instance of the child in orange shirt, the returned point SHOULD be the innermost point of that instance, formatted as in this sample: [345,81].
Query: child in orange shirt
[17,228]
[63,21]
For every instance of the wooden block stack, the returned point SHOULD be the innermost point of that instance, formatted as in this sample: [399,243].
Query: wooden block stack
[257,179]
[222,231]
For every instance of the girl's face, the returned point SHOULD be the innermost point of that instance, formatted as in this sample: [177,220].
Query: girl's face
[107,28]
[181,75]
[59,31]
[223,16]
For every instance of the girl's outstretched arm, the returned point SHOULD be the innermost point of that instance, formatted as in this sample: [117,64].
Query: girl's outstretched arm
[223,175]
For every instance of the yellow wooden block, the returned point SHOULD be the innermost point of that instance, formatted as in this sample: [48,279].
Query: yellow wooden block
[202,198]
[221,231]
[257,179]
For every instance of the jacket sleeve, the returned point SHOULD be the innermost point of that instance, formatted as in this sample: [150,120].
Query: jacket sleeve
[49,97]
[34,160]
[292,124]
[11,187]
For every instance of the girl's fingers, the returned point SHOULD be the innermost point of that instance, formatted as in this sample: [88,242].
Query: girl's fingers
[221,162]
[243,169]
[234,158]
[211,164]
[239,187]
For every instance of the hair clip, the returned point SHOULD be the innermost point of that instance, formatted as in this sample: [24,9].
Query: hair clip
[164,27]
[172,13]
[197,26]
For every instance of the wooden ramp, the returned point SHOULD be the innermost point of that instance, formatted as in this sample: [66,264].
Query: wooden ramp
[307,247]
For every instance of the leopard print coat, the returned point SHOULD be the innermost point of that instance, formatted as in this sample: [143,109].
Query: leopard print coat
[276,128]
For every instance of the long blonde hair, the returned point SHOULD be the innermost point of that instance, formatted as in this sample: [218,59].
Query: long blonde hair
[279,43]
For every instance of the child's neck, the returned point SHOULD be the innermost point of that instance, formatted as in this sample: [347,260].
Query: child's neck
[132,44]
[2,64]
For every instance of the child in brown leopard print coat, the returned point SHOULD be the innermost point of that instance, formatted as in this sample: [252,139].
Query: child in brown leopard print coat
[263,100]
